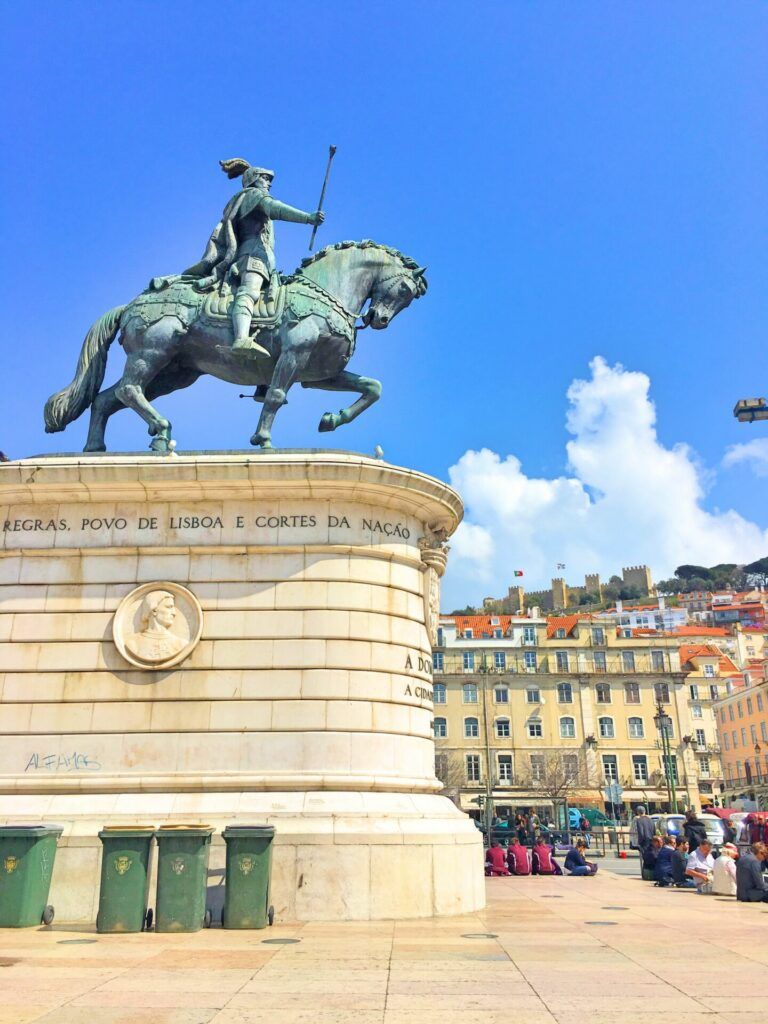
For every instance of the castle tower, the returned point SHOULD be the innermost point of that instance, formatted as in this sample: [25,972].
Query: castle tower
[516,600]
[592,585]
[559,593]
[638,576]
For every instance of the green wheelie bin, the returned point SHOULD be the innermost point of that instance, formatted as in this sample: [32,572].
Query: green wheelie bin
[249,864]
[27,853]
[125,863]
[182,878]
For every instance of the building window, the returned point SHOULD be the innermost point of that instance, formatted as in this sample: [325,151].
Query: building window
[535,730]
[743,737]
[438,693]
[735,738]
[753,733]
[694,691]
[749,706]
[740,708]
[636,728]
[661,692]
[471,728]
[561,661]
[468,661]
[505,768]
[631,693]
[670,768]
[628,661]
[696,711]
[598,637]
[468,634]
[530,660]
[640,767]
[501,695]
[502,728]
[559,633]
[670,728]
[441,728]
[473,767]
[537,767]
[469,693]
[438,661]
[730,711]
[713,694]
[600,661]
[568,728]
[709,671]
[440,637]
[606,728]
[498,634]
[610,768]
[603,693]
[701,737]
[764,731]
[565,693]
[571,765]
[499,660]
[533,695]
[759,702]
[657,661]
[726,741]
[529,634]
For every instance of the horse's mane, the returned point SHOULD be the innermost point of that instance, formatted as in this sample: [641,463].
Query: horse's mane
[366,243]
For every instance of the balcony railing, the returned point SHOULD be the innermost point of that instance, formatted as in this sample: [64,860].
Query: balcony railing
[547,664]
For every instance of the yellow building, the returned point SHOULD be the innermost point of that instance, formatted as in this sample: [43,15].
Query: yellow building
[516,695]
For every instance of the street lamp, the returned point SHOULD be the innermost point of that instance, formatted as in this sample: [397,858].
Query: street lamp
[664,724]
[483,672]
[758,773]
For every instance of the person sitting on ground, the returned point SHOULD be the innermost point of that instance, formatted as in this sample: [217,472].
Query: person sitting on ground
[694,829]
[680,863]
[495,860]
[649,855]
[701,864]
[543,859]
[724,871]
[575,861]
[662,870]
[750,884]
[519,859]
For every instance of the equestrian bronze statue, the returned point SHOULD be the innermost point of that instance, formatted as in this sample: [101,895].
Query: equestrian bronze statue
[234,316]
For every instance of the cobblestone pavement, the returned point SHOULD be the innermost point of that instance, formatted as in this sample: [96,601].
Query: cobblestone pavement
[603,950]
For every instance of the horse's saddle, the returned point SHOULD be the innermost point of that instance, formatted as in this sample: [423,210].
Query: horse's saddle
[266,313]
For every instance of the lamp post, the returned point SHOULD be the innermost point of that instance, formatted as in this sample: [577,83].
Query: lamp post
[483,672]
[663,724]
[758,773]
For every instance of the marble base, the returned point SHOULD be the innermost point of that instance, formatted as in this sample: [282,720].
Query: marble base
[297,690]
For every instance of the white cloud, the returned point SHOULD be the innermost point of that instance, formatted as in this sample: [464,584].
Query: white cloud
[754,453]
[628,500]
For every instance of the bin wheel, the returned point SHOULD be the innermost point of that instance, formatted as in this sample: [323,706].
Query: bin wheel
[48,915]
[149,917]
[207,919]
[271,916]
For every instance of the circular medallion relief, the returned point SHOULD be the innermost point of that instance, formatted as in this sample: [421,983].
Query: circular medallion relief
[157,625]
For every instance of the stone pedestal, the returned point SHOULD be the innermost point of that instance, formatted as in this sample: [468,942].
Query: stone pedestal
[233,637]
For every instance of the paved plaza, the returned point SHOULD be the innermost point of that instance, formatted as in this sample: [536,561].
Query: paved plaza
[561,951]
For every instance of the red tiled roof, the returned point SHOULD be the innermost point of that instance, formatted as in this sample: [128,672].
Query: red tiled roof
[480,624]
[701,630]
[690,651]
[566,622]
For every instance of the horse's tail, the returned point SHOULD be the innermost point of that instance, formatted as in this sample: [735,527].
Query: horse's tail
[66,405]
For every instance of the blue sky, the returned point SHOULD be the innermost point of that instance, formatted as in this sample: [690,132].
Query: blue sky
[582,180]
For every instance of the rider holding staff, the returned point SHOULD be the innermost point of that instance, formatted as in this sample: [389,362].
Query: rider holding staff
[242,246]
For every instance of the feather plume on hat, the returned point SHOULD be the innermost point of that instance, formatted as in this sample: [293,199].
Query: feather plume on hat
[235,167]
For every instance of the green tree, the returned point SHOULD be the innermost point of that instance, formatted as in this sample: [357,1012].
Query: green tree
[757,571]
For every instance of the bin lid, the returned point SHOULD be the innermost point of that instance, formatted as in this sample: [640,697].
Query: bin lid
[126,830]
[242,831]
[191,828]
[38,830]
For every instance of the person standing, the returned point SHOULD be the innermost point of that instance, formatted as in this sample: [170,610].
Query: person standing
[641,832]
[694,829]
[750,884]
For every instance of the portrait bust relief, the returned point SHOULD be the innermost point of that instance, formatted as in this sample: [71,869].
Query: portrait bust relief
[157,625]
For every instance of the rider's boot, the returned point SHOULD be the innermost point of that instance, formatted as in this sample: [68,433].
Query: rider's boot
[242,311]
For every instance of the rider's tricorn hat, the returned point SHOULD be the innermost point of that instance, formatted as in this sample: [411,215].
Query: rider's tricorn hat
[237,166]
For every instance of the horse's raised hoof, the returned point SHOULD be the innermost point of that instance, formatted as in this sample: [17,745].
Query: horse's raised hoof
[260,440]
[328,422]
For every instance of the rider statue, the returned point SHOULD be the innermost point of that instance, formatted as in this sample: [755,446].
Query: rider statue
[241,249]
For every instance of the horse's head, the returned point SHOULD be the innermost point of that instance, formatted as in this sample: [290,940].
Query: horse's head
[395,288]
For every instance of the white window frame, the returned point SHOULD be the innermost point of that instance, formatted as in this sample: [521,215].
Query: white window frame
[611,734]
[564,735]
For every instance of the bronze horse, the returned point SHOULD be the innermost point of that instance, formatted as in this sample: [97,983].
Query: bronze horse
[172,333]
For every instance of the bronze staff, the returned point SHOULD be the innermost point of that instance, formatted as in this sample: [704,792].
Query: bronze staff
[331,154]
